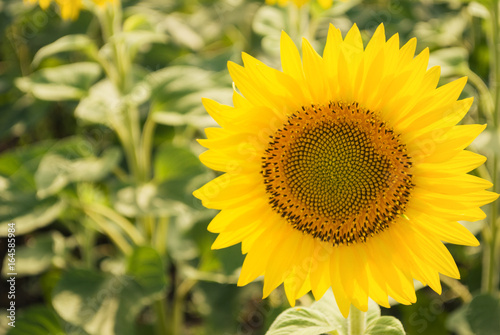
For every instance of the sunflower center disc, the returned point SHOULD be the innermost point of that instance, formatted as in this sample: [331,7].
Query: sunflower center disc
[337,173]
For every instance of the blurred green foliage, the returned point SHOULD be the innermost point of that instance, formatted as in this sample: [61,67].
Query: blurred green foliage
[109,242]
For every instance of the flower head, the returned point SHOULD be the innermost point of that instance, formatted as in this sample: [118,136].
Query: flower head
[345,170]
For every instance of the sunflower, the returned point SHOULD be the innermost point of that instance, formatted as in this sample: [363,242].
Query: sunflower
[70,9]
[344,171]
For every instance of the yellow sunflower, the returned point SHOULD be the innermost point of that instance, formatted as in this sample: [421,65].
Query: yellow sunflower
[70,9]
[344,171]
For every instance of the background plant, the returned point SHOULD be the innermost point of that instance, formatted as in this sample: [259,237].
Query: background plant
[98,159]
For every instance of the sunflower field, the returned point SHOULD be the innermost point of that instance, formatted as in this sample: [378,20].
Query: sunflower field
[249,167]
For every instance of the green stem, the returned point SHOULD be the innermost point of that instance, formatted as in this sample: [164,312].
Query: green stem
[492,259]
[161,314]
[121,221]
[134,132]
[120,174]
[456,286]
[298,22]
[293,21]
[147,144]
[177,309]
[356,321]
[484,95]
[161,235]
[114,235]
[88,247]
[495,48]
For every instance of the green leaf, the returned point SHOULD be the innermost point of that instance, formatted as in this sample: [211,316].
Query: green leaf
[19,166]
[173,162]
[36,256]
[301,321]
[145,199]
[18,202]
[182,33]
[138,38]
[457,321]
[38,320]
[145,267]
[179,89]
[269,21]
[137,22]
[176,119]
[24,114]
[103,104]
[29,213]
[103,303]
[328,306]
[77,42]
[322,317]
[453,61]
[385,325]
[483,314]
[56,171]
[64,82]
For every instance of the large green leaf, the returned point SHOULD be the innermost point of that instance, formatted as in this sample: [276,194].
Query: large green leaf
[19,166]
[103,104]
[147,199]
[174,162]
[483,314]
[179,89]
[453,61]
[18,201]
[457,321]
[103,303]
[322,317]
[301,321]
[24,114]
[37,255]
[137,39]
[56,171]
[75,42]
[64,82]
[385,325]
[29,213]
[41,320]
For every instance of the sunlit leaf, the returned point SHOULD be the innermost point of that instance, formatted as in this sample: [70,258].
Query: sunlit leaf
[36,255]
[146,199]
[29,213]
[385,325]
[322,317]
[301,321]
[76,42]
[182,33]
[102,105]
[56,171]
[64,82]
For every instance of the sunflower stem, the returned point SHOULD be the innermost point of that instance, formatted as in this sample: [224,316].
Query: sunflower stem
[299,20]
[356,321]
